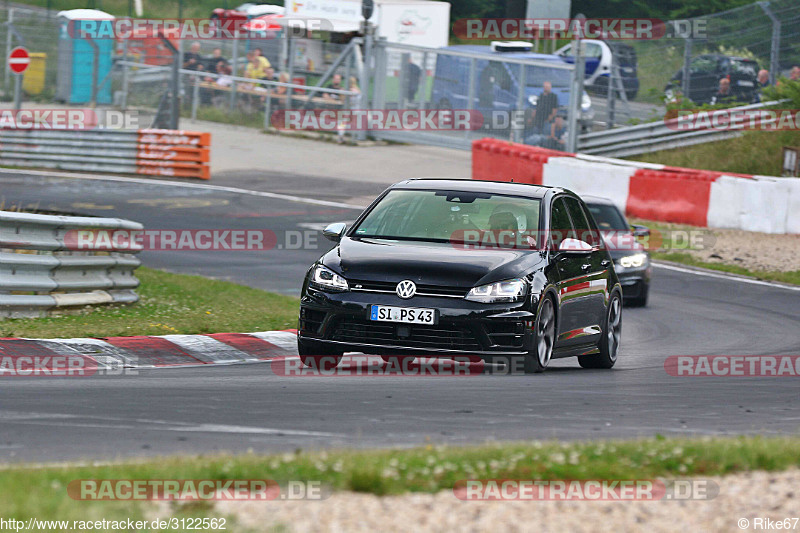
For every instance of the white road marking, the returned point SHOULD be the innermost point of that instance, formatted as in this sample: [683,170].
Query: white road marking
[204,186]
[727,277]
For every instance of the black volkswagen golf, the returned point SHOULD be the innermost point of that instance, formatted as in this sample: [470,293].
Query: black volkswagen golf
[447,268]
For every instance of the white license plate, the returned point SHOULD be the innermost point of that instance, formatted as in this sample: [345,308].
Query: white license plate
[407,315]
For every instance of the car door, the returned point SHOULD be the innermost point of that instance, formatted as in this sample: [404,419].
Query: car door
[573,317]
[596,267]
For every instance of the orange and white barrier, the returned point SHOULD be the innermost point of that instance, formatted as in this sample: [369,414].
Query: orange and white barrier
[656,192]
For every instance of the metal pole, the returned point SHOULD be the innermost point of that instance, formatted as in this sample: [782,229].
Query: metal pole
[473,69]
[95,68]
[774,53]
[125,69]
[611,94]
[576,93]
[687,59]
[9,35]
[290,68]
[268,109]
[195,98]
[174,114]
[423,89]
[368,61]
[17,91]
[235,62]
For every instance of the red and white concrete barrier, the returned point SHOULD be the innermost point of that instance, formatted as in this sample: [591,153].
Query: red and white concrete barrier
[656,192]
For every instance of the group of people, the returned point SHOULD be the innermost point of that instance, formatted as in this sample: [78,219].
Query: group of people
[258,67]
[725,95]
[546,126]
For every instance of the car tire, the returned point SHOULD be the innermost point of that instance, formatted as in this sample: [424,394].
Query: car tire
[609,343]
[398,360]
[641,300]
[317,355]
[544,339]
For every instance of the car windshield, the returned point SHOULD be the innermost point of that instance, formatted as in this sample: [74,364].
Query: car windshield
[607,217]
[445,216]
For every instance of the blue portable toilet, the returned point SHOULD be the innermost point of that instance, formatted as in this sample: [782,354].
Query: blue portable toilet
[76,55]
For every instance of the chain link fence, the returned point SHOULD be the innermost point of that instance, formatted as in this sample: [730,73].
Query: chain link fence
[496,94]
[689,65]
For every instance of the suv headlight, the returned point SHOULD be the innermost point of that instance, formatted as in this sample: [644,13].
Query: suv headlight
[503,291]
[328,279]
[633,261]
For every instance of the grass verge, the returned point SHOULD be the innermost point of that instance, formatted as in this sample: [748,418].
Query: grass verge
[169,303]
[755,152]
[792,277]
[42,491]
[668,253]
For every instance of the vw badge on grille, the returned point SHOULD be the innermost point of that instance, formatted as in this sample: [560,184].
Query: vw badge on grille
[406,289]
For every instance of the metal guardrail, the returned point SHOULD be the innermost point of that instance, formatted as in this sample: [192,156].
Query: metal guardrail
[654,136]
[40,272]
[153,152]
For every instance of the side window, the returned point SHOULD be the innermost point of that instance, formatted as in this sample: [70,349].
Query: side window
[592,51]
[702,65]
[560,224]
[585,231]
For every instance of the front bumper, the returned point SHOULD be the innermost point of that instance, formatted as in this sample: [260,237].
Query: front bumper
[634,281]
[463,327]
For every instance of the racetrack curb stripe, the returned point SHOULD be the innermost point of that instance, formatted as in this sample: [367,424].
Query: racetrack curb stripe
[145,351]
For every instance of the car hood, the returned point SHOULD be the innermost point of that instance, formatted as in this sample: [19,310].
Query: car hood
[440,264]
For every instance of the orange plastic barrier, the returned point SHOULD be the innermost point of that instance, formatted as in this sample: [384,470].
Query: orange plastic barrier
[178,153]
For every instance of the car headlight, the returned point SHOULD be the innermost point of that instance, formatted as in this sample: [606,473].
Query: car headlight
[533,100]
[633,261]
[328,279]
[503,291]
[586,102]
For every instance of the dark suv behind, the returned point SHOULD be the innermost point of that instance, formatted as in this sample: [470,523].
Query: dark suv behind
[706,70]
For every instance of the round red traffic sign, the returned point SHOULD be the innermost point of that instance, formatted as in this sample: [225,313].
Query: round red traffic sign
[19,59]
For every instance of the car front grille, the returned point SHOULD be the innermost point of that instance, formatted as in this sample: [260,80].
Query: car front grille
[422,290]
[407,335]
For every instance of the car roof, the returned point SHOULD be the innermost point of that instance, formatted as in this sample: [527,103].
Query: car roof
[589,199]
[467,185]
[487,51]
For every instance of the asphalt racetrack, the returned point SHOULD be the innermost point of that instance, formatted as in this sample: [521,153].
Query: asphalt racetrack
[251,407]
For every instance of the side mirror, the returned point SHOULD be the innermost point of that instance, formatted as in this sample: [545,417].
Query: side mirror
[575,247]
[640,231]
[334,232]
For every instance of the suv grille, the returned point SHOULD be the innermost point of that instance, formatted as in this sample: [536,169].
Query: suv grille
[412,335]
[422,290]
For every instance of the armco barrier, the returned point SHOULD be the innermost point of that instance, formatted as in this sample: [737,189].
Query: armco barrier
[176,153]
[655,192]
[39,273]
